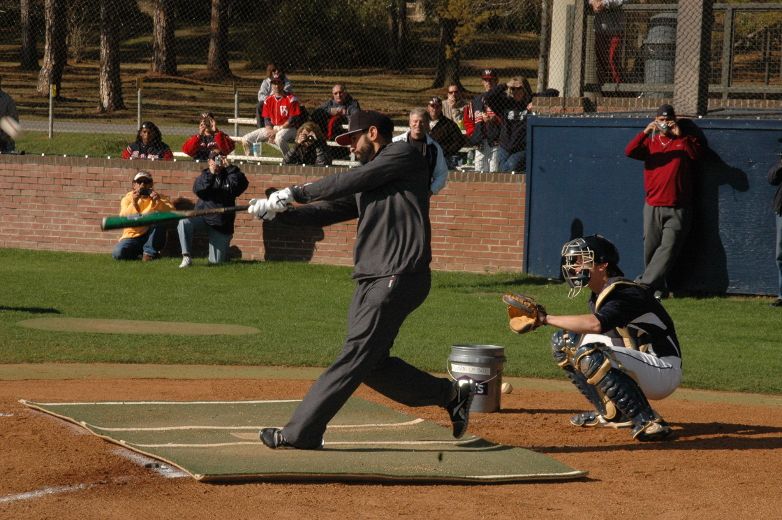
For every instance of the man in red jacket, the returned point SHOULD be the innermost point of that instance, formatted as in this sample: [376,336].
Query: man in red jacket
[669,158]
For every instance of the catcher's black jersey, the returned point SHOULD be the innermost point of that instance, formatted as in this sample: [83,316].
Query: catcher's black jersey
[629,312]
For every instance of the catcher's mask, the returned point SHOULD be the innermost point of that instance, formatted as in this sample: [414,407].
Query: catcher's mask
[581,255]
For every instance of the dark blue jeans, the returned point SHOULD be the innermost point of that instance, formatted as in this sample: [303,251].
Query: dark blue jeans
[150,243]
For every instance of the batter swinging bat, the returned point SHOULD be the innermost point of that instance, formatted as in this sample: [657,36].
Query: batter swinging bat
[149,219]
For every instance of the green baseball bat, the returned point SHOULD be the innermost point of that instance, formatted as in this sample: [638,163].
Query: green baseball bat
[150,219]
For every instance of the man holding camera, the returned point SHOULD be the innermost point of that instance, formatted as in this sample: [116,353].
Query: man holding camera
[669,157]
[216,187]
[146,241]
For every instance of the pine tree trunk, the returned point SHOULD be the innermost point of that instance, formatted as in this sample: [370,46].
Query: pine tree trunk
[217,62]
[163,49]
[55,52]
[28,56]
[110,90]
[447,70]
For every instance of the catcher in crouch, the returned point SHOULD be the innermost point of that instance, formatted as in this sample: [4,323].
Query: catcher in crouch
[622,353]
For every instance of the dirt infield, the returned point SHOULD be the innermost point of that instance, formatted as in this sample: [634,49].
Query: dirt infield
[724,462]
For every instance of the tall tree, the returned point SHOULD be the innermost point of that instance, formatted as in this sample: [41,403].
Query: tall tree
[55,52]
[28,57]
[398,41]
[163,47]
[217,62]
[110,89]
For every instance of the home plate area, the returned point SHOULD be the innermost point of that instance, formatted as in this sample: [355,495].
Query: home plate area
[218,441]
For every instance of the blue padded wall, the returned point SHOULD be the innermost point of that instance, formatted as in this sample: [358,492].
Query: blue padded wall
[580,182]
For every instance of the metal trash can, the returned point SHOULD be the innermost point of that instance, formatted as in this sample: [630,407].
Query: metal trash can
[659,52]
[483,364]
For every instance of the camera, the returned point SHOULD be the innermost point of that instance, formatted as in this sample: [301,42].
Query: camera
[219,160]
[663,125]
[310,139]
[144,192]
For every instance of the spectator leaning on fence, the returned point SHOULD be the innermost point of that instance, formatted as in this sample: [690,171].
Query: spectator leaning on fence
[418,137]
[309,147]
[7,109]
[272,71]
[148,145]
[335,112]
[609,22]
[281,112]
[669,157]
[217,187]
[208,138]
[775,179]
[146,241]
[453,107]
[445,132]
[511,102]
[483,127]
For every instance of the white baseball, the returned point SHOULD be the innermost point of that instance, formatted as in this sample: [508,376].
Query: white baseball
[506,388]
[11,127]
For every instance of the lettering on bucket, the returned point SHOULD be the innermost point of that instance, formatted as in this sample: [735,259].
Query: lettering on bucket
[469,369]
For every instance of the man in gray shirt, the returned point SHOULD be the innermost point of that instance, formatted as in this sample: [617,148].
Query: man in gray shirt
[389,194]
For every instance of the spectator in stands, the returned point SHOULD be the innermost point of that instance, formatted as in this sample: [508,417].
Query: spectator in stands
[445,132]
[217,187]
[609,22]
[309,148]
[146,241]
[483,127]
[7,109]
[208,138]
[272,71]
[511,102]
[332,114]
[418,137]
[453,108]
[148,145]
[281,113]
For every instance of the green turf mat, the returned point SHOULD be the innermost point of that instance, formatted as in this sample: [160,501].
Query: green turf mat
[218,440]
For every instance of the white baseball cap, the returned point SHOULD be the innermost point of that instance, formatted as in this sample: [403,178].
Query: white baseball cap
[142,175]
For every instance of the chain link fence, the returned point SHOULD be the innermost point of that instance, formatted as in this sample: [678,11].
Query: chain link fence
[109,65]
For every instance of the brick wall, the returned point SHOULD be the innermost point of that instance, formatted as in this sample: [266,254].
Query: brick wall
[56,203]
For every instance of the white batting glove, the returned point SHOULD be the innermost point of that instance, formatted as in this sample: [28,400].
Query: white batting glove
[260,209]
[281,200]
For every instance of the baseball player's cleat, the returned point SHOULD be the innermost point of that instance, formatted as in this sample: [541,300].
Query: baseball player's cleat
[652,431]
[459,407]
[273,438]
[594,419]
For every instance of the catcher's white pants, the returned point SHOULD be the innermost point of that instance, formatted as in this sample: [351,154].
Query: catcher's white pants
[657,377]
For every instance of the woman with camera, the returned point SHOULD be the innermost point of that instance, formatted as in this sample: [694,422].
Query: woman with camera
[309,147]
[146,241]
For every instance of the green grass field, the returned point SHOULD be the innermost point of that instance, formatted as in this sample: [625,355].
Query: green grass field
[729,343]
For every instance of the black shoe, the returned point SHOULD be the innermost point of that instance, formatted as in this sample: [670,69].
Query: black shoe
[459,407]
[776,303]
[272,438]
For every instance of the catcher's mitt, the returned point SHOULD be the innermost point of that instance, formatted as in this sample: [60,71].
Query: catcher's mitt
[524,313]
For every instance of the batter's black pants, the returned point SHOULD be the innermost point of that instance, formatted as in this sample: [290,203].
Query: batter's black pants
[378,309]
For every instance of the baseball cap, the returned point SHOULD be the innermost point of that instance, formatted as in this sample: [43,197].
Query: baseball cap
[278,80]
[605,251]
[214,152]
[489,74]
[666,110]
[142,174]
[436,101]
[361,121]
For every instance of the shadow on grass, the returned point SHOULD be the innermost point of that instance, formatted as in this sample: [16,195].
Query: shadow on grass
[31,310]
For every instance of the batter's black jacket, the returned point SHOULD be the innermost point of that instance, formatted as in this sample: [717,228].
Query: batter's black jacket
[220,191]
[390,197]
[775,179]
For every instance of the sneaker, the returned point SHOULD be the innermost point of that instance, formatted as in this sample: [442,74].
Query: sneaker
[186,262]
[273,438]
[776,303]
[592,419]
[146,257]
[656,430]
[459,407]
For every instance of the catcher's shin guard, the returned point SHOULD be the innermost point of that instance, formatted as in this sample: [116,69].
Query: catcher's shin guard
[622,391]
[563,346]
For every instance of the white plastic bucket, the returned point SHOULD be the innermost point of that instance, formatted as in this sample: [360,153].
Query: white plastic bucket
[483,364]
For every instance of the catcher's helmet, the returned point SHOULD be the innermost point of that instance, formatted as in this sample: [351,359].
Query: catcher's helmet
[579,257]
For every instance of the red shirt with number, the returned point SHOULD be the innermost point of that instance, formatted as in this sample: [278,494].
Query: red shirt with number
[278,110]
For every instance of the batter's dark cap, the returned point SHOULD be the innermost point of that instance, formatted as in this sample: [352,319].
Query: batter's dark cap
[361,121]
[666,110]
